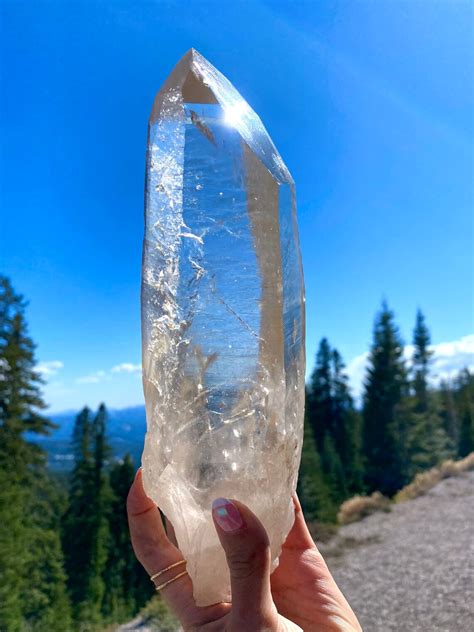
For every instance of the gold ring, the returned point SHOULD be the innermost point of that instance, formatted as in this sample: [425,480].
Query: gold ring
[168,568]
[170,581]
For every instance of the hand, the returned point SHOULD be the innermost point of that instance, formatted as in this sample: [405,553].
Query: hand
[300,595]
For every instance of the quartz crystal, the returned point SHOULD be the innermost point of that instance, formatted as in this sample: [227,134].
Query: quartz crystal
[222,319]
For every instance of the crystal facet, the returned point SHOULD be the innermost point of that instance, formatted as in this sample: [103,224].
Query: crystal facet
[222,319]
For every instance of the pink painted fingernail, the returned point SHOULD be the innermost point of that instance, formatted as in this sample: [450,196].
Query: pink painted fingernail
[227,515]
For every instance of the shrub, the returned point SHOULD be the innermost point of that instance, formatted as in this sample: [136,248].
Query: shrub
[425,481]
[422,483]
[359,507]
[463,465]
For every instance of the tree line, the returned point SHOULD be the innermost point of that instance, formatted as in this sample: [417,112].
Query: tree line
[66,561]
[403,426]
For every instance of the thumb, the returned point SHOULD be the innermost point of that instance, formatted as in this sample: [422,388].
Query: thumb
[247,550]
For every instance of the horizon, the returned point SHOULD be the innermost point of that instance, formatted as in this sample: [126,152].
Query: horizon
[374,123]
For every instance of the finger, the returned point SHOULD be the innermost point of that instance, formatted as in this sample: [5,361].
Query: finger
[155,552]
[247,550]
[298,542]
[146,528]
[299,536]
[301,564]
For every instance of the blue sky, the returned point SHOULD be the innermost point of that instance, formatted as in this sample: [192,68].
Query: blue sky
[369,103]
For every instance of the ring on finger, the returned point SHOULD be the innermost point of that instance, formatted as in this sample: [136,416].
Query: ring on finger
[164,570]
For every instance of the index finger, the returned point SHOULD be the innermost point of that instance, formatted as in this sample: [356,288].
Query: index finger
[154,550]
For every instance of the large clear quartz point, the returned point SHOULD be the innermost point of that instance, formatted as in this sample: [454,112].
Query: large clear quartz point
[222,319]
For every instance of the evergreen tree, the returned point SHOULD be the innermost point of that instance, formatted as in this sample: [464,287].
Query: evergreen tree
[384,426]
[333,471]
[421,358]
[466,434]
[313,491]
[335,423]
[346,427]
[85,524]
[427,441]
[128,585]
[101,448]
[77,529]
[100,504]
[447,411]
[319,400]
[31,565]
[464,397]
[13,553]
[20,394]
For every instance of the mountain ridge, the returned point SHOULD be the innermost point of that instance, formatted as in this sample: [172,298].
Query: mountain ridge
[126,429]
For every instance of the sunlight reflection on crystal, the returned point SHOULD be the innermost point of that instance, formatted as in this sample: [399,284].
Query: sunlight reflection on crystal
[234,113]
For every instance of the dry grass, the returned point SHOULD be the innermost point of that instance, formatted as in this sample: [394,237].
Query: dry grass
[359,507]
[425,481]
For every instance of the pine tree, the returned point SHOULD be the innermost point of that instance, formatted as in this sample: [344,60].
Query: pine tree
[421,359]
[128,585]
[77,537]
[13,552]
[447,411]
[20,394]
[100,503]
[384,426]
[335,423]
[427,441]
[464,397]
[319,399]
[85,524]
[333,471]
[466,434]
[31,565]
[101,449]
[346,427]
[313,491]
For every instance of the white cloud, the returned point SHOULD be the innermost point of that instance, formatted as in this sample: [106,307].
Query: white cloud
[450,357]
[47,369]
[127,367]
[106,376]
[447,360]
[93,378]
[356,371]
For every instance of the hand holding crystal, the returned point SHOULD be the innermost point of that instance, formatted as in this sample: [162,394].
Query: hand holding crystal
[300,595]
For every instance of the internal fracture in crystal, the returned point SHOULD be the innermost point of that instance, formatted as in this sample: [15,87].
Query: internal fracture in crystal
[222,319]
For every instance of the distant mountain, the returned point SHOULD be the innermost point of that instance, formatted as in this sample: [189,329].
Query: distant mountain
[126,431]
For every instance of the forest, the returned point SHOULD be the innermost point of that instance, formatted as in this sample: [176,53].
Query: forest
[65,558]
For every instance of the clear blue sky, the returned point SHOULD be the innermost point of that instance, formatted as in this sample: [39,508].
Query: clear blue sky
[369,103]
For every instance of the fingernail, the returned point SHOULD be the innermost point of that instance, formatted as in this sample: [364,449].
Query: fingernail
[227,515]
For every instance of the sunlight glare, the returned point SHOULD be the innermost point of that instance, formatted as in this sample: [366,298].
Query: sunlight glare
[233,113]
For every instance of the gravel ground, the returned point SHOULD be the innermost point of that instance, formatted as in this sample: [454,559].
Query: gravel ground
[411,569]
